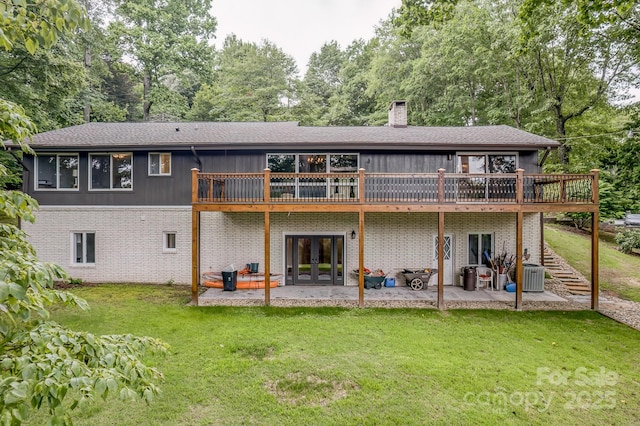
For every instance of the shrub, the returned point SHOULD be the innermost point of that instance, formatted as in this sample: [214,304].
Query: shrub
[628,240]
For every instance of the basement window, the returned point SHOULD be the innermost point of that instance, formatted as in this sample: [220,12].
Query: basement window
[169,242]
[83,248]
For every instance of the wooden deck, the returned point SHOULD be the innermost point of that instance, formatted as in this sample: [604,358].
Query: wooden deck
[380,192]
[365,193]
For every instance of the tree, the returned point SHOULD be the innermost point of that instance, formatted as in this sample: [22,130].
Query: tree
[320,83]
[251,82]
[352,104]
[578,68]
[164,38]
[43,364]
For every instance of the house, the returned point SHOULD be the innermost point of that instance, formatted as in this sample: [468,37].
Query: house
[160,202]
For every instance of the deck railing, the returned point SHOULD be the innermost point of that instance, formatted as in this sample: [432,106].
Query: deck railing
[396,188]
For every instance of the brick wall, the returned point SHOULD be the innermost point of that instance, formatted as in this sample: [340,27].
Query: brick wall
[129,242]
[392,241]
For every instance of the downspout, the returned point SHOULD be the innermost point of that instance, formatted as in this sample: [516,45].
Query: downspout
[197,157]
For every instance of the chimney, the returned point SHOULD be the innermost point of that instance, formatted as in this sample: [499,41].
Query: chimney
[398,114]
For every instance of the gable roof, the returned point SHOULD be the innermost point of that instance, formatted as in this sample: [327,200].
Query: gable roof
[283,135]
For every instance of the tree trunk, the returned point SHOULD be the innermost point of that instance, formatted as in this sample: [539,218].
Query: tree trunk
[87,98]
[564,149]
[146,93]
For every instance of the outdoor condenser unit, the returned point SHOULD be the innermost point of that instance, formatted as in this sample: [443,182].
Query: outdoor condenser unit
[532,277]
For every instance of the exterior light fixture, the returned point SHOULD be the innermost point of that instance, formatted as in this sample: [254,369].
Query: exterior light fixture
[353,235]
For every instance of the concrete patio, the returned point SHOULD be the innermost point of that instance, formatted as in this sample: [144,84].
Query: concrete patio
[348,296]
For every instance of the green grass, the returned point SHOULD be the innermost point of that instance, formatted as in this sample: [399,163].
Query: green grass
[328,366]
[619,272]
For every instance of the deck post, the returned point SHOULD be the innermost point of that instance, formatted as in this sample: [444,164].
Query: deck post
[520,187]
[267,256]
[361,185]
[195,238]
[267,185]
[440,301]
[519,274]
[542,238]
[361,258]
[595,241]
[441,186]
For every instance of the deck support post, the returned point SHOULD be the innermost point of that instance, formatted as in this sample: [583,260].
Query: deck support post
[440,301]
[519,226]
[595,241]
[267,258]
[195,238]
[519,274]
[361,258]
[542,238]
[267,238]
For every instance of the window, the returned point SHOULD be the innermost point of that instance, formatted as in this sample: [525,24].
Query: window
[160,164]
[487,163]
[312,187]
[57,171]
[169,242]
[479,244]
[312,163]
[111,171]
[476,188]
[83,248]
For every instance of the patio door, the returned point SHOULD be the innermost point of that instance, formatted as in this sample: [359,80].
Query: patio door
[448,258]
[315,259]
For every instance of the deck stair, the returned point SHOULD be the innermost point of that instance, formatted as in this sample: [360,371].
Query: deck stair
[558,269]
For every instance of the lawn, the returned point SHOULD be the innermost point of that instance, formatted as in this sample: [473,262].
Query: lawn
[619,272]
[303,366]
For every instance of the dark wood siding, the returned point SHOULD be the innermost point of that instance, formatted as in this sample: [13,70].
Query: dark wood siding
[175,190]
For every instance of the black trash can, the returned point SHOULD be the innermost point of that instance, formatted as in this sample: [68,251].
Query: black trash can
[229,280]
[469,278]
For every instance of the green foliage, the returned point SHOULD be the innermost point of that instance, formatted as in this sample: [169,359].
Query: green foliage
[628,240]
[42,361]
[251,83]
[42,364]
[38,23]
[164,39]
[10,170]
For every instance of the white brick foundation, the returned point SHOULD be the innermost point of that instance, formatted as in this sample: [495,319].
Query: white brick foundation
[129,242]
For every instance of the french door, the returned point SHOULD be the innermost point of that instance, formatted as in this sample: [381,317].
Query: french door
[315,259]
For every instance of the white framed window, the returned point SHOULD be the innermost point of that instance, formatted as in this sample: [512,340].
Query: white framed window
[57,172]
[477,245]
[83,248]
[159,164]
[111,171]
[169,242]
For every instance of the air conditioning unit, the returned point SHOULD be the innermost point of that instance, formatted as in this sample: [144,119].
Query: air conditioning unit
[532,277]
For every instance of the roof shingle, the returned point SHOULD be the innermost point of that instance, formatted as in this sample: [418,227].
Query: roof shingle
[282,135]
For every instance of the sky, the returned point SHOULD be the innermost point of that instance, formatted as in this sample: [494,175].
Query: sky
[300,27]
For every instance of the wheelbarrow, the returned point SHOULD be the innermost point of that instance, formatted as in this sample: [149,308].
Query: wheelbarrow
[418,279]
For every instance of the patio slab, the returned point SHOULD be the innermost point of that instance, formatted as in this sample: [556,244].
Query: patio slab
[349,295]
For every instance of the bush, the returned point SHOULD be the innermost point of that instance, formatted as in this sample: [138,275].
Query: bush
[628,240]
